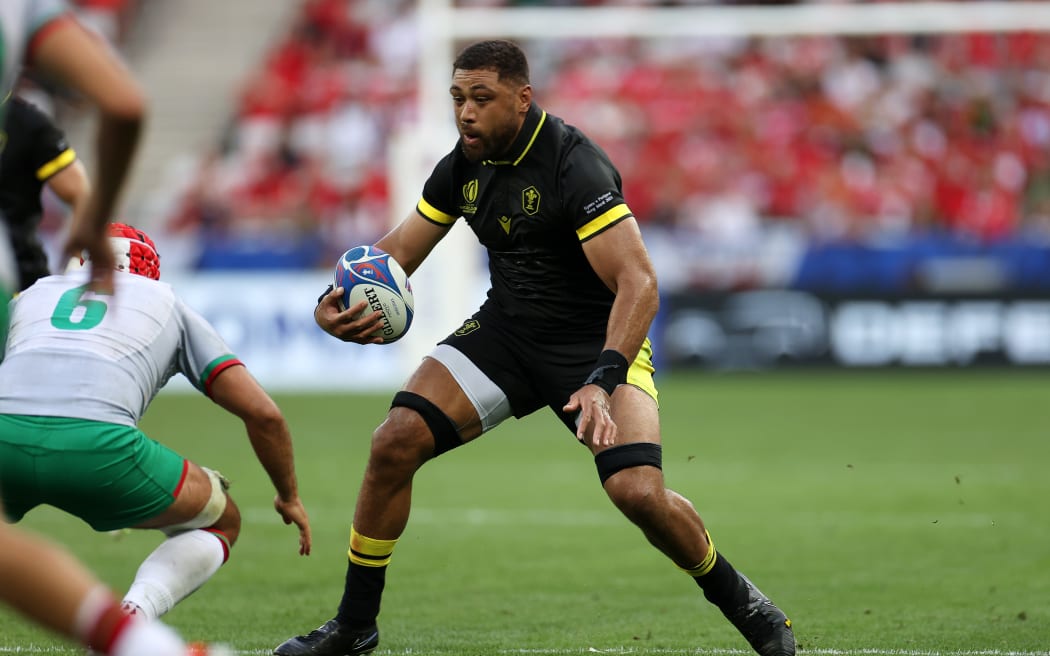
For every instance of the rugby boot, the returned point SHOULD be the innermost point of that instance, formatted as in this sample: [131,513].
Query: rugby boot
[331,639]
[766,628]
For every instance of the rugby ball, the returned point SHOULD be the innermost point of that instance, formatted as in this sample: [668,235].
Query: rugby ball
[369,274]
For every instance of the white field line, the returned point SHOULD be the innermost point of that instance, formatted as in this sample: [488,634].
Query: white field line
[30,650]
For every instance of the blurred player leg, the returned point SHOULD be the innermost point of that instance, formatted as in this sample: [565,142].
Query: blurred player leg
[49,586]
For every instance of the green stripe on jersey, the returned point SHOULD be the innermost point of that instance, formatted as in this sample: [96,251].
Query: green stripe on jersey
[217,363]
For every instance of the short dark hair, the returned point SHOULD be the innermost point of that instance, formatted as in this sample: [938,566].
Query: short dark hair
[504,57]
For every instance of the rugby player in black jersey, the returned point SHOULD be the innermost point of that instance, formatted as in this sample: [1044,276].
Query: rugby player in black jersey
[564,326]
[35,154]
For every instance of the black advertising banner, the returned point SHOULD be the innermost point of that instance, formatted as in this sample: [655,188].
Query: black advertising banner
[775,328]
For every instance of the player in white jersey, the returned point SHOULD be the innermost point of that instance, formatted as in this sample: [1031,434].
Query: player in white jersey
[81,369]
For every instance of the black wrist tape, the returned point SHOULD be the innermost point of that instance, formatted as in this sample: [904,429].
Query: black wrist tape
[609,371]
[326,292]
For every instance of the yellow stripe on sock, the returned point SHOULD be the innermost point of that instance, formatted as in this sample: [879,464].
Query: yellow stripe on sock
[706,564]
[369,552]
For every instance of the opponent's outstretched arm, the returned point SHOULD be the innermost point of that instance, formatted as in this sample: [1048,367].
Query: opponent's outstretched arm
[236,391]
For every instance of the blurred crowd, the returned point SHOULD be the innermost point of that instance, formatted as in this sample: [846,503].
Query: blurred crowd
[854,138]
[304,159]
[750,151]
[719,140]
[738,155]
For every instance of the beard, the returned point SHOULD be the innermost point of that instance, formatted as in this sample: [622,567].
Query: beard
[490,146]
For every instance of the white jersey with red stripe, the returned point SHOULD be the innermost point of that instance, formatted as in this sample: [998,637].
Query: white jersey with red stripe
[74,353]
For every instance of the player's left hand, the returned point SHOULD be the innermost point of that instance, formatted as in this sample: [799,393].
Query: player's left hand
[99,253]
[595,415]
[292,511]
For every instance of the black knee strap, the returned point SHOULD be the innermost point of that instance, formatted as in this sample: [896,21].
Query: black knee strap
[446,436]
[625,456]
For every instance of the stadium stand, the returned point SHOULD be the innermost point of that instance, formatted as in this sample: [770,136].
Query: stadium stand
[774,160]
[182,55]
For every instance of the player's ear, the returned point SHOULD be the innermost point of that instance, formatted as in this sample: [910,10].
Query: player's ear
[525,98]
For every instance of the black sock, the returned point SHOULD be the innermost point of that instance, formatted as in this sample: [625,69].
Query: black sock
[361,596]
[722,585]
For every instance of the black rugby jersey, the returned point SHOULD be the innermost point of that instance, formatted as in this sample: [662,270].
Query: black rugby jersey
[34,150]
[532,211]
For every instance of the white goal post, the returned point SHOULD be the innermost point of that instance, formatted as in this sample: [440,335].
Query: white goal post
[441,25]
[447,286]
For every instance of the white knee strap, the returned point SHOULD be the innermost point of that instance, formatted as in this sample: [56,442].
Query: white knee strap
[212,510]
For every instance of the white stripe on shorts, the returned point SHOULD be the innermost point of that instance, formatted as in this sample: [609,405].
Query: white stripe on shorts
[488,399]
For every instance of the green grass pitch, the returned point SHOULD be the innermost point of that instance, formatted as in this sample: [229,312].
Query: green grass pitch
[895,512]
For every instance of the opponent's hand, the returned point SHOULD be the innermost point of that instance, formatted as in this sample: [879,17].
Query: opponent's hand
[595,415]
[346,324]
[292,511]
[84,241]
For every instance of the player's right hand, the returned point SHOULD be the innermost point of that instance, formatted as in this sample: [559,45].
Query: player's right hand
[292,511]
[350,325]
[594,416]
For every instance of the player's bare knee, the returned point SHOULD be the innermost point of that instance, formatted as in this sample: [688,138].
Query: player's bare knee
[637,496]
[400,442]
[681,502]
[632,476]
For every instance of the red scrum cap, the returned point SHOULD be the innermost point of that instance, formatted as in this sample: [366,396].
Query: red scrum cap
[134,251]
